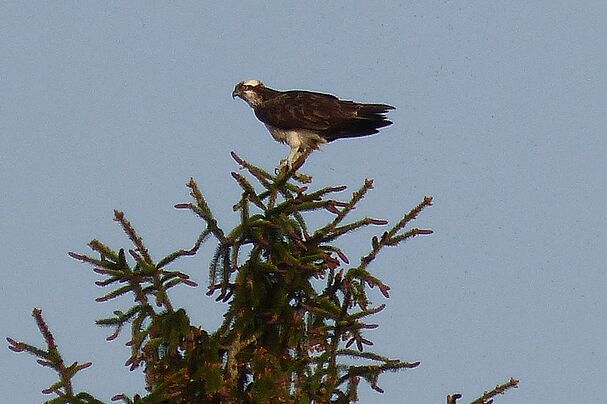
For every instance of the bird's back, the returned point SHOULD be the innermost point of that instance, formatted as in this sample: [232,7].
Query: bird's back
[325,114]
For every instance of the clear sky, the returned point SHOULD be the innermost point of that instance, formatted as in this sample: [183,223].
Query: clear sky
[501,116]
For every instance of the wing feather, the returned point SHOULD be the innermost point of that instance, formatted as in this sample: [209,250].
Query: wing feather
[298,110]
[324,114]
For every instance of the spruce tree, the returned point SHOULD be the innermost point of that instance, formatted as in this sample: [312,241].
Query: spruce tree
[296,308]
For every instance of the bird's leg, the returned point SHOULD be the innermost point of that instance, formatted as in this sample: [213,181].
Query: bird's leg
[294,154]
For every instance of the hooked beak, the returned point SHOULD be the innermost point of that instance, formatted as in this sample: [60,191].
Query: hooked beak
[236,93]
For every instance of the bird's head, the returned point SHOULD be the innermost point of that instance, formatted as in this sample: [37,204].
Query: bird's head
[248,90]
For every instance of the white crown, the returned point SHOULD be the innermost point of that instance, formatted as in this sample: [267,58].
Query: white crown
[252,83]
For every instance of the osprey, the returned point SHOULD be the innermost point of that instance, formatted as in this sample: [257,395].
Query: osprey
[304,120]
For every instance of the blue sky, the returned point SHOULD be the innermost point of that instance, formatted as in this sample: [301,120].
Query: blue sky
[501,117]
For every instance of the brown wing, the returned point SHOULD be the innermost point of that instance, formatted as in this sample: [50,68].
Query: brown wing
[323,113]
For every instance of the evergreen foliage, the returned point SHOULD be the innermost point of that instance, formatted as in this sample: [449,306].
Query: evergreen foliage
[284,338]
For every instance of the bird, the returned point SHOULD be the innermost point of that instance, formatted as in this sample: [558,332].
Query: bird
[305,119]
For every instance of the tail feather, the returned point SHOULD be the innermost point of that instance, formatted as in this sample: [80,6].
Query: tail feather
[375,108]
[367,120]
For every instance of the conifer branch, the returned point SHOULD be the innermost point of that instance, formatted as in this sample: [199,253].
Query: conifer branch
[202,209]
[487,396]
[371,372]
[367,312]
[391,238]
[291,207]
[181,253]
[341,230]
[147,282]
[104,251]
[261,175]
[248,190]
[375,357]
[318,195]
[133,236]
[51,357]
[357,196]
